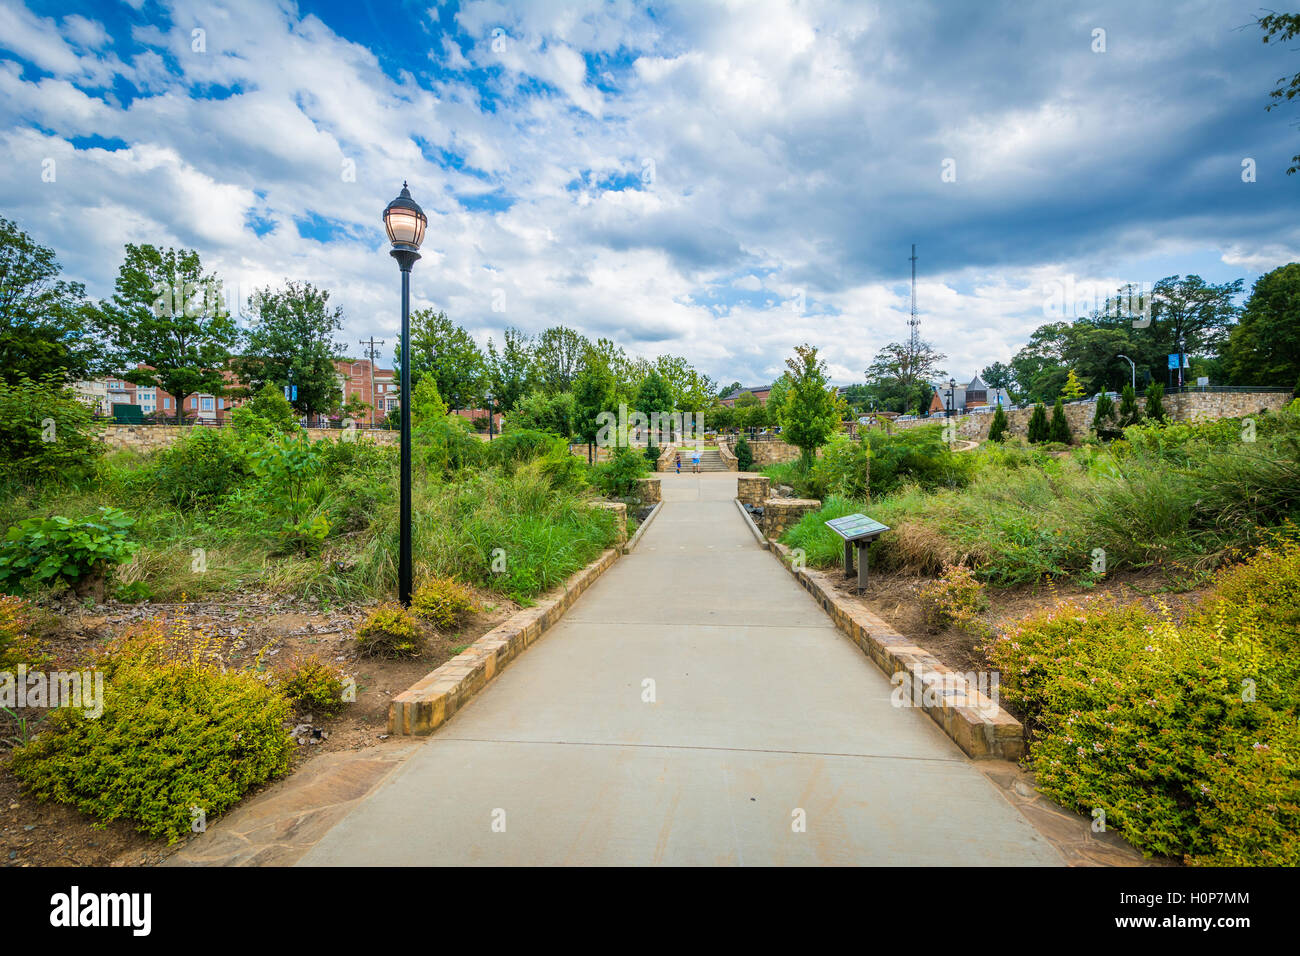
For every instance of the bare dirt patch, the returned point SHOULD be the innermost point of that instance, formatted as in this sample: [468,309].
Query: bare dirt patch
[258,631]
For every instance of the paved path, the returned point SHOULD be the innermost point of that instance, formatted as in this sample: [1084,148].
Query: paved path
[761,709]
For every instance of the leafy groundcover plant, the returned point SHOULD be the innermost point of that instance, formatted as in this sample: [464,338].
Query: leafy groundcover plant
[1185,735]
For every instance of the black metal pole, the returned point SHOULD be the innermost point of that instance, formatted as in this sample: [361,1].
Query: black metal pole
[405,259]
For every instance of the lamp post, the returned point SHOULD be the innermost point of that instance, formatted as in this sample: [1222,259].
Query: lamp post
[952,400]
[490,400]
[1134,368]
[405,222]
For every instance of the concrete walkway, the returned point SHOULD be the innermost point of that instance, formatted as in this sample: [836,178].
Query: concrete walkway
[762,715]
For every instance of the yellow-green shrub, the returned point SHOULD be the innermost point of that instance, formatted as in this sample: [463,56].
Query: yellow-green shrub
[313,686]
[955,598]
[177,735]
[444,602]
[390,631]
[1184,734]
[17,646]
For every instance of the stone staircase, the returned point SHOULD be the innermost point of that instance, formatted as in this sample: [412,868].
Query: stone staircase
[710,460]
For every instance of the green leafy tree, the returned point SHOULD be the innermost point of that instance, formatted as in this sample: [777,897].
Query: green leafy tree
[1264,347]
[998,427]
[899,376]
[1155,409]
[46,434]
[1059,430]
[654,395]
[542,412]
[690,390]
[444,350]
[510,370]
[1039,430]
[1073,390]
[46,326]
[810,414]
[1129,413]
[292,341]
[170,318]
[998,375]
[557,358]
[1282,28]
[593,393]
[1193,315]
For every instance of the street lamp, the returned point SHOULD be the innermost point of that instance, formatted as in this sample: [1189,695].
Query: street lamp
[952,401]
[405,221]
[490,399]
[1135,370]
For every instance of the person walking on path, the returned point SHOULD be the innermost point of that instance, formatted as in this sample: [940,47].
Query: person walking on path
[679,463]
[695,461]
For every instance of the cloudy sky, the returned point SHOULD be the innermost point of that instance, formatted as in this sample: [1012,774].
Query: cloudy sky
[720,181]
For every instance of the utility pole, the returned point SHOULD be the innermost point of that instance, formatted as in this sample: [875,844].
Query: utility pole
[374,409]
[914,342]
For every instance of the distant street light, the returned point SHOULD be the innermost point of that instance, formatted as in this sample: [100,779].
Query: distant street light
[405,222]
[1135,370]
[490,400]
[952,400]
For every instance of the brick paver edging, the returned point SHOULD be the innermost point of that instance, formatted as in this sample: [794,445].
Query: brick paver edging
[429,702]
[975,722]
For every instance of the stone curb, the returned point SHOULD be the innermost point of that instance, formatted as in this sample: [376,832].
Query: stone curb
[758,535]
[431,701]
[974,721]
[636,538]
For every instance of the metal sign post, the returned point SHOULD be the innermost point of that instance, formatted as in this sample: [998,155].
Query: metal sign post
[858,531]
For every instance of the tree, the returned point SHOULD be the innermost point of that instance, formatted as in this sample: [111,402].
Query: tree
[728,389]
[1129,413]
[1264,347]
[1103,416]
[691,391]
[900,375]
[548,413]
[168,317]
[811,412]
[593,393]
[46,326]
[557,358]
[1155,409]
[654,396]
[1193,315]
[1059,430]
[1073,390]
[998,375]
[1281,28]
[998,427]
[444,350]
[1039,367]
[510,371]
[744,455]
[292,340]
[1039,431]
[427,406]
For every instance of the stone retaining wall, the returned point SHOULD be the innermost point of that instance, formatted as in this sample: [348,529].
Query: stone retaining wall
[780,514]
[620,512]
[147,438]
[765,452]
[1185,406]
[647,490]
[753,489]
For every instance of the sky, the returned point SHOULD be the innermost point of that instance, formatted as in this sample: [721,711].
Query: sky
[720,181]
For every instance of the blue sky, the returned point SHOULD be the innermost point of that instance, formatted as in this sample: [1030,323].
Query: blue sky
[721,181]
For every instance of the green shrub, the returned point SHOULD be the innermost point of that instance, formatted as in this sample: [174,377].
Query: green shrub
[17,645]
[444,602]
[1059,430]
[1103,417]
[1129,413]
[520,445]
[390,631]
[177,736]
[45,551]
[201,468]
[1039,430]
[1155,408]
[955,599]
[744,455]
[844,469]
[46,433]
[998,427]
[313,686]
[917,456]
[1184,734]
[618,476]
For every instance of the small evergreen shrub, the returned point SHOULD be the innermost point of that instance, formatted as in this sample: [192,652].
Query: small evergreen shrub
[178,736]
[1059,430]
[998,427]
[390,631]
[1039,430]
[444,602]
[313,686]
[1155,409]
[1103,417]
[744,455]
[1129,413]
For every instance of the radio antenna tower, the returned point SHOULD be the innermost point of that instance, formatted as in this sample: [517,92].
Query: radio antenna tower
[914,341]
